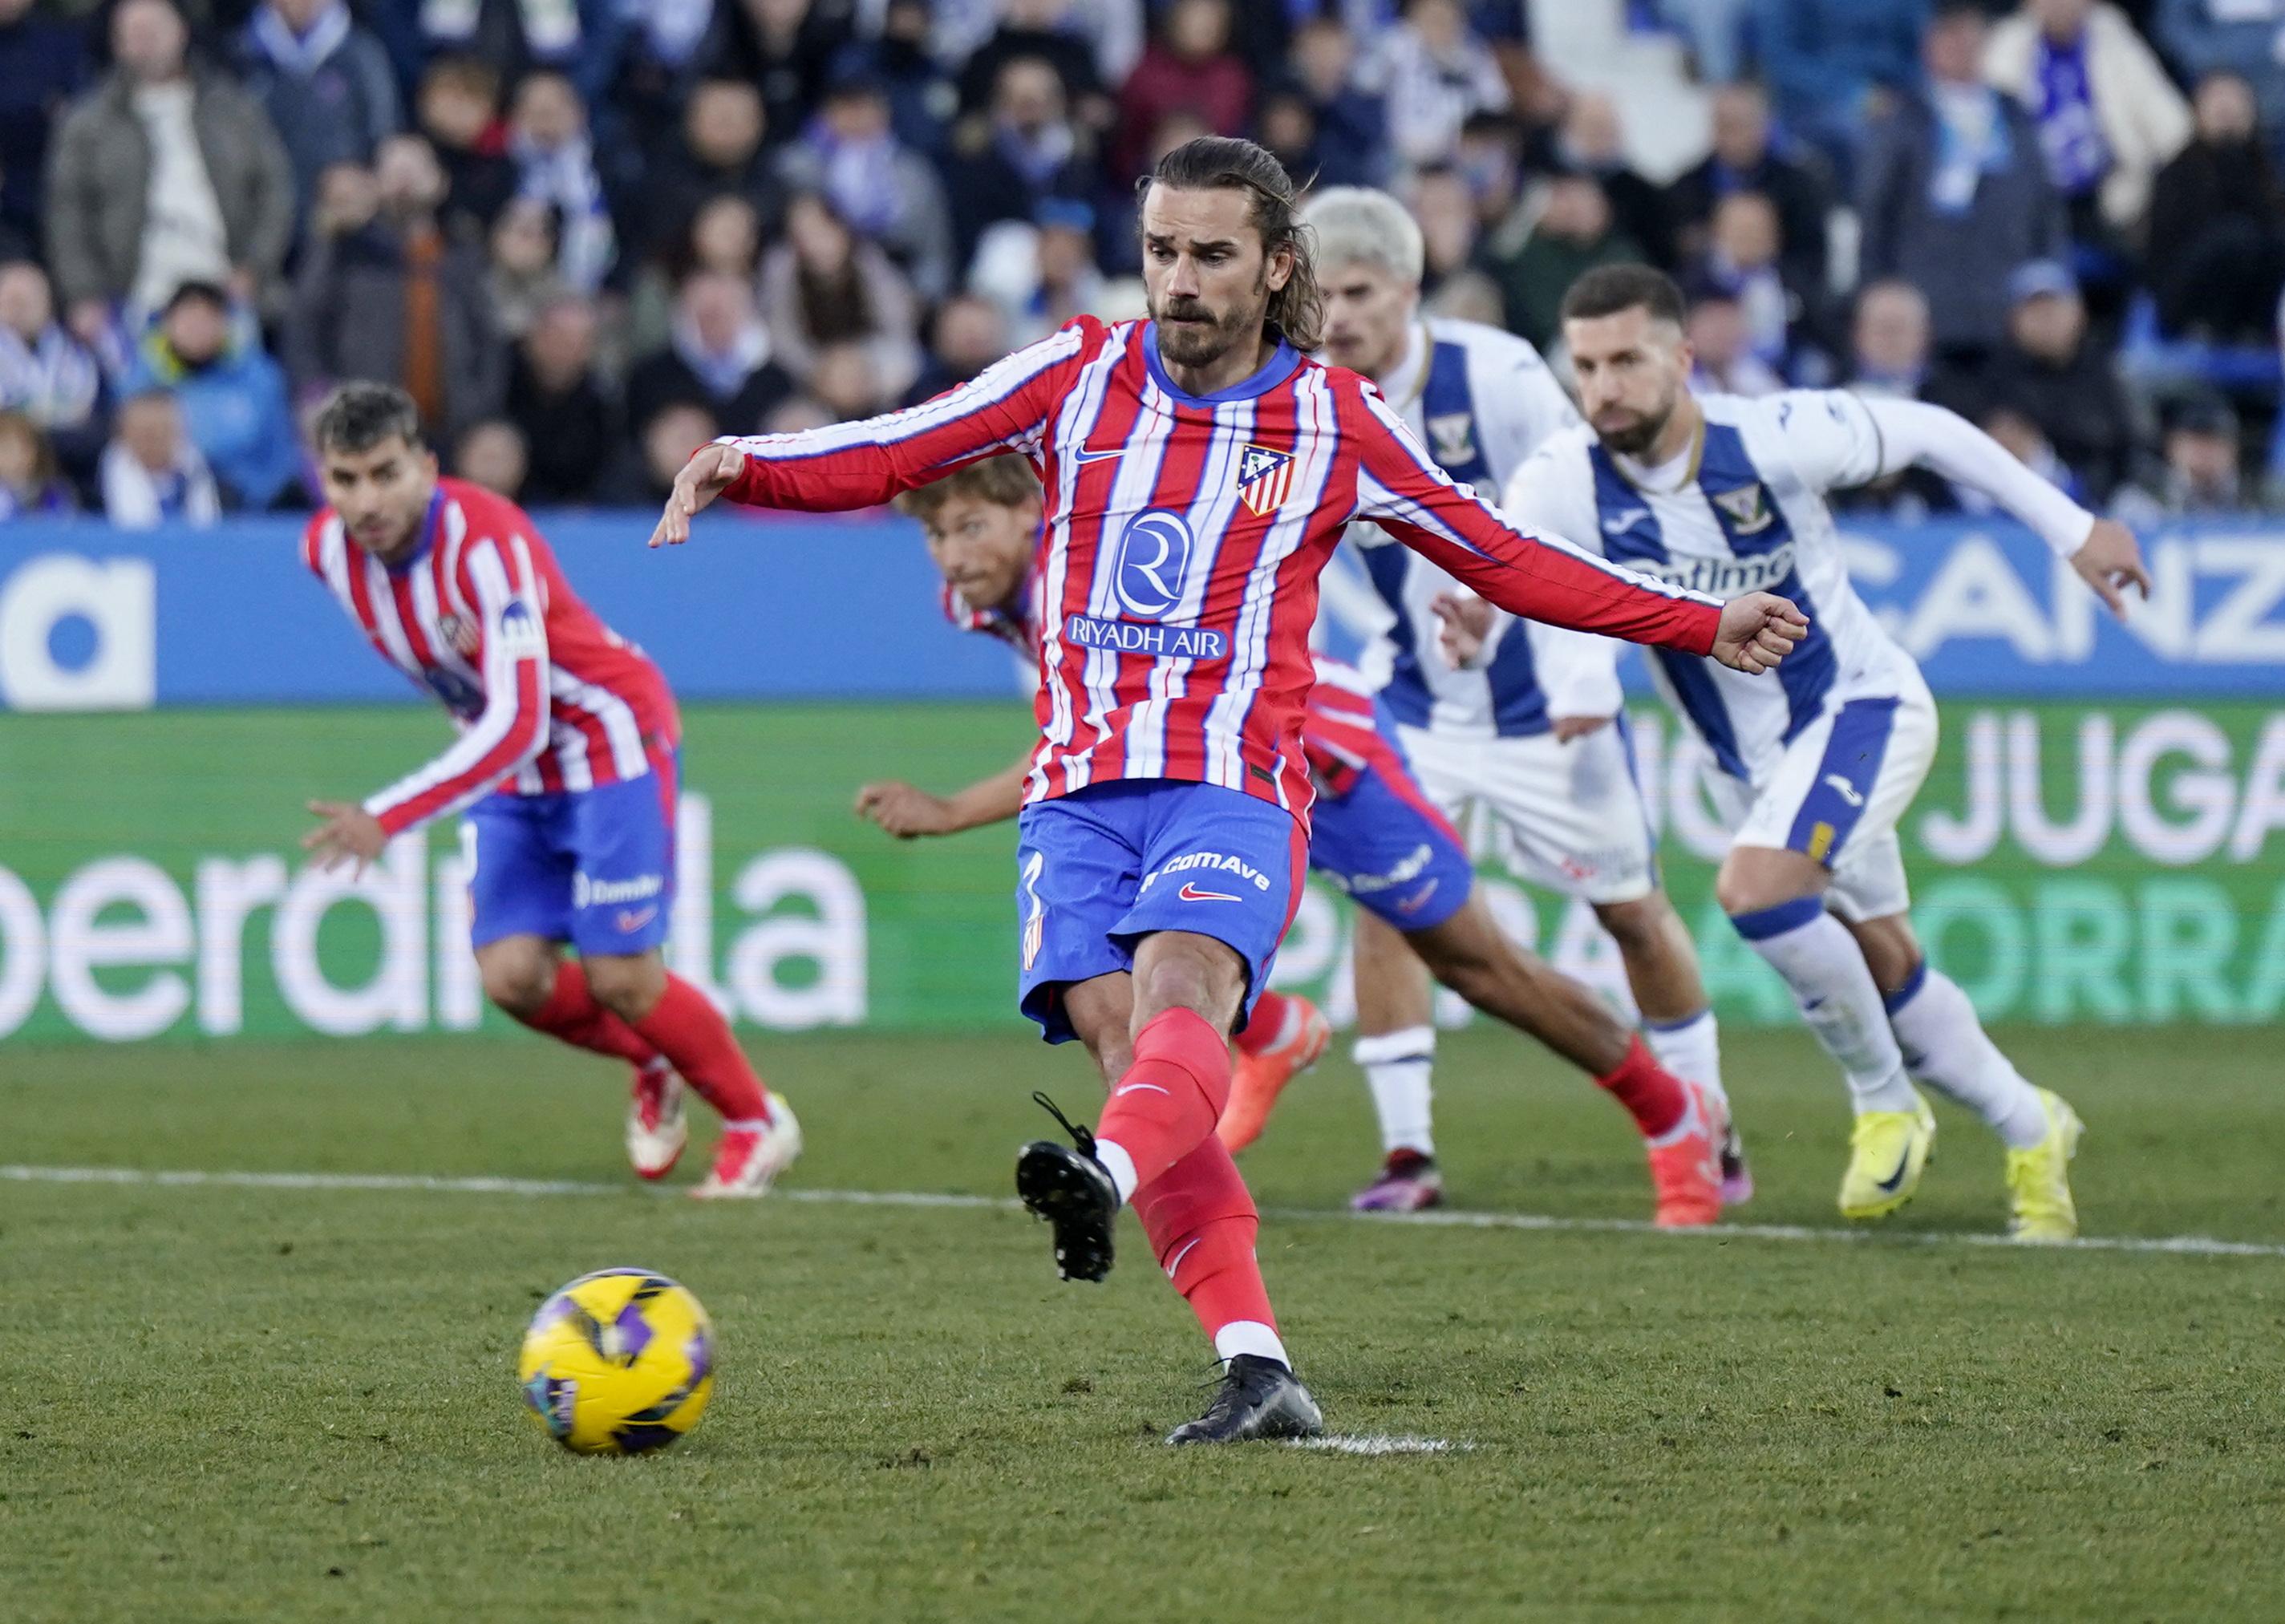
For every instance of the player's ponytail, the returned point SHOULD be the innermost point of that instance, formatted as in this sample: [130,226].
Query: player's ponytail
[1220,162]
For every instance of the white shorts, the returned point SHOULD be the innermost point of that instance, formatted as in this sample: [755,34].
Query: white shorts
[1569,817]
[1836,794]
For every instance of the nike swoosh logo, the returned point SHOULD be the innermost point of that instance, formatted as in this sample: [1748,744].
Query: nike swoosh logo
[629,919]
[1084,456]
[1178,1256]
[1191,893]
[1895,1178]
[1137,1088]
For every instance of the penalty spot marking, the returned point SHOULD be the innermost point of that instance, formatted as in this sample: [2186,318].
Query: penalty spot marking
[1375,1443]
[2180,1246]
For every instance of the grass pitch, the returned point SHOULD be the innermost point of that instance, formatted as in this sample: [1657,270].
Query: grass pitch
[263,1402]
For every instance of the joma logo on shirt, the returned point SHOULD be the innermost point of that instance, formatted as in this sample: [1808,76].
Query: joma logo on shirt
[1216,862]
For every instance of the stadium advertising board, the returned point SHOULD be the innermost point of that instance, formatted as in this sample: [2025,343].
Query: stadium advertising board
[844,609]
[2107,862]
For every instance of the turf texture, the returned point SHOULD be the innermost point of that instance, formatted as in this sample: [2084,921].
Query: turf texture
[223,1402]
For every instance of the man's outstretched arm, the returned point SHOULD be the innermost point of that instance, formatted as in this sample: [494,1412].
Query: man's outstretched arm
[2102,550]
[1544,578]
[1004,408]
[906,811]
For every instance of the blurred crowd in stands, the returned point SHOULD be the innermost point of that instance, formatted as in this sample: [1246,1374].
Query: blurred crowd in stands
[589,235]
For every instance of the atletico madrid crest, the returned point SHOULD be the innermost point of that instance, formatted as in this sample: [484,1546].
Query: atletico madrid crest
[1265,477]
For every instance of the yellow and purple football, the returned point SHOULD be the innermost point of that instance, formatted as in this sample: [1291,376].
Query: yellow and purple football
[617,1362]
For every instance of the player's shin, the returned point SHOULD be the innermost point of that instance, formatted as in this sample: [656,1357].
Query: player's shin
[1839,1000]
[1202,1223]
[1946,1046]
[571,1014]
[686,1027]
[1169,1099]
[1691,1048]
[1397,1067]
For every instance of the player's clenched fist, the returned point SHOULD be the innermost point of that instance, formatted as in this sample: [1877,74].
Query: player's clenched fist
[705,476]
[904,811]
[1758,631]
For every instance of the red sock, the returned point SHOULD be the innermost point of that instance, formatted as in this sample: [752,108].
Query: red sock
[1171,1096]
[687,1028]
[572,1014]
[1271,1011]
[1653,1096]
[1201,1222]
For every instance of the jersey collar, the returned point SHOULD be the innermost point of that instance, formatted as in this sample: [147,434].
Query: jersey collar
[1643,478]
[1274,372]
[429,522]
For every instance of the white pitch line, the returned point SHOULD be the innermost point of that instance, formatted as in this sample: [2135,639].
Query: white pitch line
[1375,1443]
[2189,1245]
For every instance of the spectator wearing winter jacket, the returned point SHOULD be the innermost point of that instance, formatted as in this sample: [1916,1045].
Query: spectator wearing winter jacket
[231,394]
[2217,213]
[156,128]
[43,64]
[325,82]
[1953,189]
[2108,116]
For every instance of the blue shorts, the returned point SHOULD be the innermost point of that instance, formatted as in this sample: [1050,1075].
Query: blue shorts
[1386,845]
[594,868]
[1099,870]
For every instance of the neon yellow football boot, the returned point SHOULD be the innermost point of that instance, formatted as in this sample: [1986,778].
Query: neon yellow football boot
[2038,1179]
[1886,1151]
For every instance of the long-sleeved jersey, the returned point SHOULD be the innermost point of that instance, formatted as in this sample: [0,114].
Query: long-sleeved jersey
[1178,569]
[1483,401]
[1742,509]
[547,697]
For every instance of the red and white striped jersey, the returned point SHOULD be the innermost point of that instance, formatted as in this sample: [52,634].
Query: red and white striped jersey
[1178,567]
[1340,726]
[547,696]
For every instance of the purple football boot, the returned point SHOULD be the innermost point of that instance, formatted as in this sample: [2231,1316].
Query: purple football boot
[1409,1183]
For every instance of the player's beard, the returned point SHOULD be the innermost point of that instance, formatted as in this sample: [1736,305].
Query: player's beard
[1206,338]
[1641,432]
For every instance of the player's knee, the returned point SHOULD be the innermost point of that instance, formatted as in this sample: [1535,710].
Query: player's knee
[1635,926]
[1748,886]
[519,983]
[628,987]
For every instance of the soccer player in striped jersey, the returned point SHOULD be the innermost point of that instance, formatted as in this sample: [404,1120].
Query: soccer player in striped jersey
[1372,833]
[1530,734]
[1817,767]
[566,766]
[1200,470]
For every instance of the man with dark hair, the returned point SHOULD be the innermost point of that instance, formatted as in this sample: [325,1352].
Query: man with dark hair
[567,765]
[1201,470]
[1814,770]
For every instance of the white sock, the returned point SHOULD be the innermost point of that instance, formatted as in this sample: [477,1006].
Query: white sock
[1944,1046]
[1249,1336]
[1833,985]
[1397,1065]
[1691,1048]
[1119,1165]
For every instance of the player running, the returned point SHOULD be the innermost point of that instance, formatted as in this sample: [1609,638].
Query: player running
[1198,470]
[1372,833]
[566,765]
[1531,733]
[1815,768]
